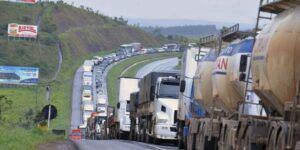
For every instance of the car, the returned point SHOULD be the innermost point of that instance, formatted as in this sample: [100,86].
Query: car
[86,98]
[101,108]
[75,134]
[88,106]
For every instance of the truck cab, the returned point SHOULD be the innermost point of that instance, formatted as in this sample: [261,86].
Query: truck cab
[166,108]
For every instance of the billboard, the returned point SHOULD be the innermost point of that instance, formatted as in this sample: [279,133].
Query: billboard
[24,1]
[19,75]
[17,30]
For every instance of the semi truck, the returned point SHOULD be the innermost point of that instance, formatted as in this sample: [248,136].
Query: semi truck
[96,125]
[120,122]
[186,98]
[275,76]
[134,98]
[219,91]
[87,78]
[88,66]
[157,107]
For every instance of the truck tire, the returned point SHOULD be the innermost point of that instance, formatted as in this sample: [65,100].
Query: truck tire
[180,135]
[147,138]
[280,144]
[156,141]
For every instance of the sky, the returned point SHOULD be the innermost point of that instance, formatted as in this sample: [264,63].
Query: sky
[241,11]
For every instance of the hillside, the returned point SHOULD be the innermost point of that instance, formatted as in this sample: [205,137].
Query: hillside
[80,34]
[78,30]
[191,31]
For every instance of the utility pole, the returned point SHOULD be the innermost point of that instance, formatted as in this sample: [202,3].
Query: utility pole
[48,99]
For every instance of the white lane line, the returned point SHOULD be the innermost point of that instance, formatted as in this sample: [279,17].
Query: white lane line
[144,144]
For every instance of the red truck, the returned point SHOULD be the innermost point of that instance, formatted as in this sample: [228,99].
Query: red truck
[75,134]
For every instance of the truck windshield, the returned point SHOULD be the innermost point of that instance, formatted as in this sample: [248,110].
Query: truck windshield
[125,49]
[100,120]
[127,106]
[169,90]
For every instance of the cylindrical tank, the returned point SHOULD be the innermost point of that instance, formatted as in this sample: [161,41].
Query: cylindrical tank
[203,80]
[228,90]
[276,60]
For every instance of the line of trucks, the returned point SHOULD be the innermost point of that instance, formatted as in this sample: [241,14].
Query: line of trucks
[92,117]
[245,96]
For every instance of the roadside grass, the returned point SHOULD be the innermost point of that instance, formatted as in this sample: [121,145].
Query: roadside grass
[178,66]
[19,127]
[114,73]
[131,72]
[18,138]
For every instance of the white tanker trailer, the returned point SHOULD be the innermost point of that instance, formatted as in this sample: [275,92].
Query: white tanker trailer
[220,91]
[276,74]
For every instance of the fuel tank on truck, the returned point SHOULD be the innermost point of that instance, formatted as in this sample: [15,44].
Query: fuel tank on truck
[203,80]
[276,60]
[228,90]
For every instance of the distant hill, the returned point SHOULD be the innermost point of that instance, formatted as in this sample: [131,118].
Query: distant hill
[184,22]
[192,31]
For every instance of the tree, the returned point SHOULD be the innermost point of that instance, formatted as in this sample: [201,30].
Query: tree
[5,105]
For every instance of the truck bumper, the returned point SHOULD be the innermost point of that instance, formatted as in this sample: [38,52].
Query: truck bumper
[125,128]
[166,132]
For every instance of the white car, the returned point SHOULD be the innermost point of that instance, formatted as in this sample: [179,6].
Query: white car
[88,106]
[86,97]
[86,115]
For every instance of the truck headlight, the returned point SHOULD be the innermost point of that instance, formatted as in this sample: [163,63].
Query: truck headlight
[162,120]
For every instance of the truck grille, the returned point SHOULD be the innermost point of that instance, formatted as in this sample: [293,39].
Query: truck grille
[173,129]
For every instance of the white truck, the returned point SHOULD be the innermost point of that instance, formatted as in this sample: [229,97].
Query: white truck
[86,93]
[120,126]
[87,78]
[157,107]
[97,60]
[101,104]
[188,68]
[88,65]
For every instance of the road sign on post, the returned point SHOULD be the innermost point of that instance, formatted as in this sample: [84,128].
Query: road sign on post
[47,95]
[48,106]
[49,112]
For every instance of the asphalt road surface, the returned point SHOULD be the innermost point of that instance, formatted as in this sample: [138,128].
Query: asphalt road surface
[161,65]
[76,95]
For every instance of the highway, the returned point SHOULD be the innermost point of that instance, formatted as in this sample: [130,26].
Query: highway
[161,65]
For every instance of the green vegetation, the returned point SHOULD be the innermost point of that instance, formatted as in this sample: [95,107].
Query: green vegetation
[81,34]
[131,72]
[178,66]
[114,73]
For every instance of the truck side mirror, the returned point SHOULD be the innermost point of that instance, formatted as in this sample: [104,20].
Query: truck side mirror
[118,105]
[182,86]
[242,77]
[152,92]
[243,63]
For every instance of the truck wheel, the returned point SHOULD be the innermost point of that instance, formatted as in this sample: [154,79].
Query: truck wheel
[147,138]
[245,143]
[156,141]
[280,144]
[180,143]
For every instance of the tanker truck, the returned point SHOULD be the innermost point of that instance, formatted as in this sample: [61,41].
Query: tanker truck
[134,98]
[188,68]
[219,90]
[157,107]
[276,74]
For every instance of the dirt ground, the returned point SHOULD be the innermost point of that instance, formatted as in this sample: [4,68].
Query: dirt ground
[57,145]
